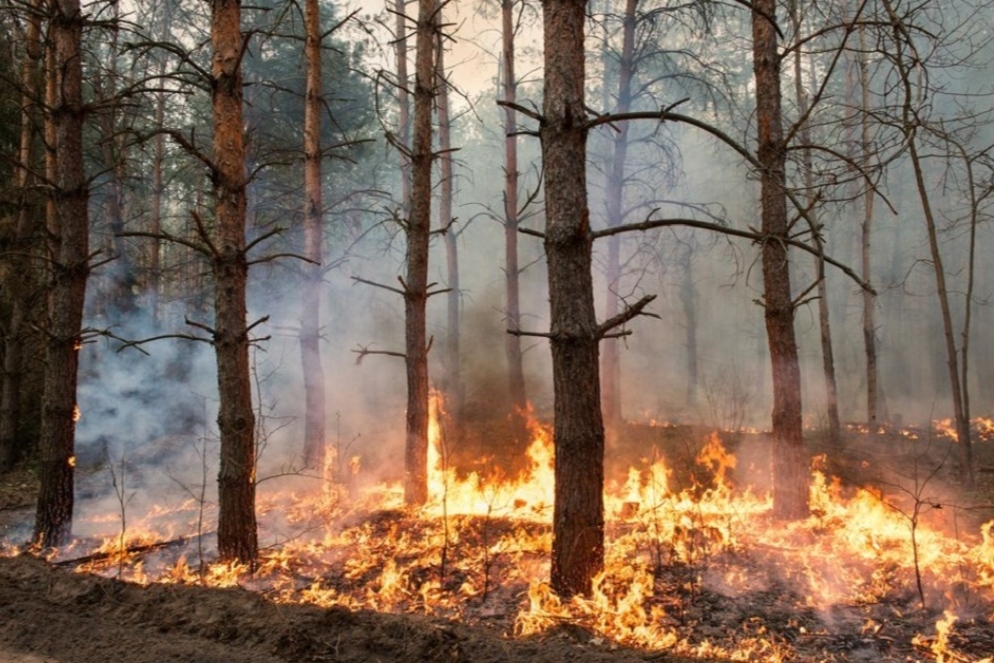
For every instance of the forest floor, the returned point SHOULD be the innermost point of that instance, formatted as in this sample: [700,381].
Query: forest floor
[51,615]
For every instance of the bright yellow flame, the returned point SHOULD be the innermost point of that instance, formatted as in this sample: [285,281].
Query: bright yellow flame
[485,532]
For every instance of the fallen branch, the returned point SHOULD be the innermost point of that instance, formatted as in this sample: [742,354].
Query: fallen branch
[131,550]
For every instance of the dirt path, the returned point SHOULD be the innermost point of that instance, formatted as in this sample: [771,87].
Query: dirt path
[49,615]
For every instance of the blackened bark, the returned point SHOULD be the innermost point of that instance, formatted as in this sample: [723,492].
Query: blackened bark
[416,283]
[69,236]
[310,312]
[790,472]
[237,531]
[578,518]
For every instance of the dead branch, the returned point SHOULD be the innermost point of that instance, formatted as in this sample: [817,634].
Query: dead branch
[166,237]
[277,256]
[754,235]
[139,342]
[398,291]
[262,238]
[629,313]
[535,115]
[131,550]
[363,351]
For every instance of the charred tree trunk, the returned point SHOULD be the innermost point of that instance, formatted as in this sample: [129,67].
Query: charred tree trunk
[310,312]
[512,270]
[615,194]
[237,536]
[578,518]
[453,370]
[790,484]
[69,236]
[17,273]
[416,284]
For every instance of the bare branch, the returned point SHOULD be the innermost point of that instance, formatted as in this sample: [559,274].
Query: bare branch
[400,292]
[363,351]
[535,115]
[629,313]
[518,332]
[752,234]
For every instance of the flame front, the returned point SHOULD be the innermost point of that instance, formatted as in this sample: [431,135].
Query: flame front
[482,543]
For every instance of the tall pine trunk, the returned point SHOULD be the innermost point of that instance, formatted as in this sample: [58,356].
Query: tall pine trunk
[873,390]
[154,282]
[237,536]
[910,123]
[68,227]
[310,312]
[824,322]
[790,484]
[452,363]
[512,270]
[688,301]
[416,284]
[17,275]
[403,103]
[615,196]
[578,516]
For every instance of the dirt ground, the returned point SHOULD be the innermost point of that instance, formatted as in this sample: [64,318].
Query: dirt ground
[51,615]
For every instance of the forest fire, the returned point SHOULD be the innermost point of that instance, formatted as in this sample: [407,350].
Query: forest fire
[694,565]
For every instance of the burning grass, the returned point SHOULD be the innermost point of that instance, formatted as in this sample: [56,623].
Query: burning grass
[694,565]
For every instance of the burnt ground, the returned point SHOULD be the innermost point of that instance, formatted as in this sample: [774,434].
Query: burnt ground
[51,615]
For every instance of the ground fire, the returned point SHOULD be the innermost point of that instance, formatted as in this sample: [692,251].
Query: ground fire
[896,570]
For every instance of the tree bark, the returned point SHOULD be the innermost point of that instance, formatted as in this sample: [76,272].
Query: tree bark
[154,284]
[17,276]
[910,122]
[688,301]
[873,390]
[237,531]
[416,283]
[790,484]
[69,247]
[403,104]
[119,301]
[614,200]
[310,312]
[453,371]
[824,322]
[512,270]
[578,517]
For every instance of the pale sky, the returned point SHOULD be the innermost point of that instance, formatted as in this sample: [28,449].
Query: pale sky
[472,53]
